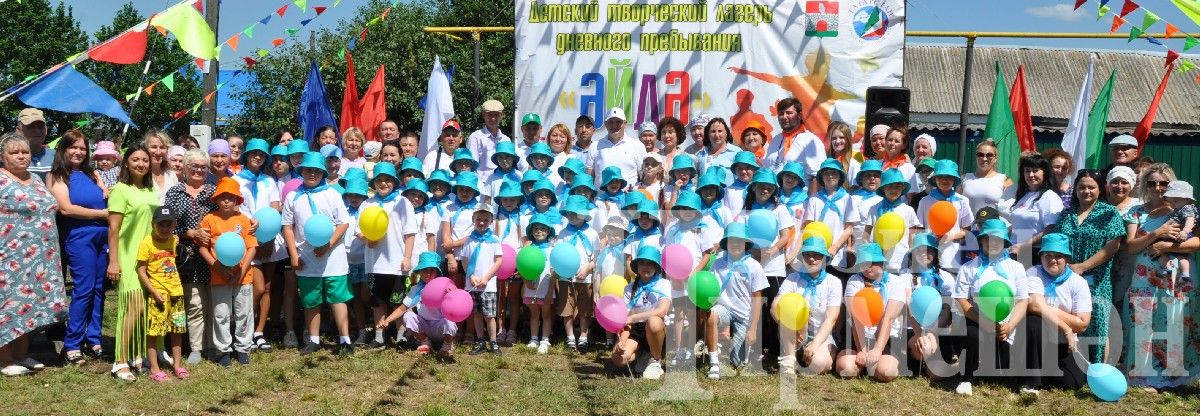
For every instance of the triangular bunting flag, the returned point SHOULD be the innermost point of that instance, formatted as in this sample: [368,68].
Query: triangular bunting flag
[190,29]
[1103,10]
[1171,31]
[384,15]
[1133,33]
[199,6]
[208,97]
[179,114]
[217,52]
[301,4]
[319,9]
[363,36]
[1151,39]
[127,48]
[336,2]
[342,54]
[1079,3]
[1171,57]
[232,42]
[1149,20]
[1185,66]
[291,32]
[249,32]
[196,107]
[72,58]
[1189,43]
[1198,79]
[199,63]
[282,10]
[1117,22]
[129,97]
[169,82]
[373,21]
[221,84]
[1128,8]
[150,89]
[82,123]
[250,62]
[262,53]
[279,41]
[352,44]
[305,22]
[265,19]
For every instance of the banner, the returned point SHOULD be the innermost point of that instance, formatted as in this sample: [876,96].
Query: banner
[731,59]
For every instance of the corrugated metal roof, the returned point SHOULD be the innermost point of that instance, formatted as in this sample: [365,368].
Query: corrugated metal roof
[934,74]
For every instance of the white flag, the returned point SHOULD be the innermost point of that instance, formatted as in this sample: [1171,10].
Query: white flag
[1075,138]
[439,107]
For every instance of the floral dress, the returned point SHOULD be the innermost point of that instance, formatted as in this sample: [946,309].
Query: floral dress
[31,281]
[1101,226]
[1162,341]
[191,211]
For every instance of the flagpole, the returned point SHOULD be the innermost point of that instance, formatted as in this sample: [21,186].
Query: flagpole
[141,85]
[966,94]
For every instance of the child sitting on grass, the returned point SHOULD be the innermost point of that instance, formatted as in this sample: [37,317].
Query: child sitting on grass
[426,324]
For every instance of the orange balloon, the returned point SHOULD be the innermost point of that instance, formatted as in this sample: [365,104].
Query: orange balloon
[867,307]
[942,216]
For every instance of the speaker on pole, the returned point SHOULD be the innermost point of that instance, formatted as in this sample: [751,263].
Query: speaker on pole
[887,105]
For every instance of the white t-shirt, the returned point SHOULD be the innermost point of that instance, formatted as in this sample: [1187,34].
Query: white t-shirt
[828,293]
[1072,295]
[461,224]
[356,247]
[735,198]
[432,162]
[775,265]
[491,186]
[478,257]
[636,242]
[626,155]
[966,286]
[983,192]
[739,280]
[897,289]
[949,251]
[1033,212]
[427,224]
[413,303]
[258,195]
[862,203]
[509,229]
[545,280]
[646,296]
[297,209]
[587,245]
[388,254]
[698,238]
[899,253]
[837,223]
[948,281]
[806,148]
[610,261]
[360,163]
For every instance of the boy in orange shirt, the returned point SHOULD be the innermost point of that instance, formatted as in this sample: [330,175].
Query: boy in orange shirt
[232,293]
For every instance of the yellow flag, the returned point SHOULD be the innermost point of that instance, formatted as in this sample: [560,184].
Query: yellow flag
[193,33]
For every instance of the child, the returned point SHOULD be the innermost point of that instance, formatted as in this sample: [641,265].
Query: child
[441,194]
[322,270]
[106,163]
[650,179]
[232,291]
[255,181]
[924,170]
[543,200]
[570,171]
[481,258]
[390,258]
[824,298]
[456,226]
[508,226]
[528,179]
[333,164]
[539,293]
[1179,196]
[574,293]
[356,254]
[410,169]
[892,191]
[296,150]
[647,231]
[610,262]
[740,304]
[640,343]
[744,166]
[539,158]
[426,220]
[942,187]
[681,178]
[864,196]
[612,194]
[700,235]
[281,171]
[712,193]
[463,161]
[165,316]
[426,324]
[832,206]
[793,196]
[866,350]
[505,159]
[926,271]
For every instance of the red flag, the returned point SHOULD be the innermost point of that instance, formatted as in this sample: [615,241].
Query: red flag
[374,107]
[1019,100]
[1142,132]
[277,42]
[1128,8]
[127,48]
[199,5]
[1079,3]
[350,103]
[281,11]
[1171,57]
[1117,22]
[250,62]
[319,9]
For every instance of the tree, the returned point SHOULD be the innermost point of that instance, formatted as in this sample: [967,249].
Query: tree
[35,37]
[398,42]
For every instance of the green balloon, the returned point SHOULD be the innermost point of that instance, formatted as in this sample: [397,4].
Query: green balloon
[531,261]
[704,289]
[995,300]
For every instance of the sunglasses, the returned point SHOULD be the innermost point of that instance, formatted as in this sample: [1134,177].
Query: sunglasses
[982,155]
[1157,184]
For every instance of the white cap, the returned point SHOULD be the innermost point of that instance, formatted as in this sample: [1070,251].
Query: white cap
[1123,139]
[1179,189]
[372,149]
[616,112]
[1123,172]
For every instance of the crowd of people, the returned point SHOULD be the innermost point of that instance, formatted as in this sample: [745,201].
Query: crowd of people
[1082,251]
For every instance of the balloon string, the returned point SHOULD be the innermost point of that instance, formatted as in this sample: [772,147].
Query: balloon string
[1080,355]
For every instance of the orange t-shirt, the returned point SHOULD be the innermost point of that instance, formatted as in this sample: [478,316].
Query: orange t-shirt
[239,224]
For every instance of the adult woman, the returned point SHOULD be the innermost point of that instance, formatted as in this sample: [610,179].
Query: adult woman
[648,135]
[218,160]
[175,159]
[985,185]
[32,284]
[353,140]
[1155,306]
[130,207]
[718,151]
[441,158]
[162,178]
[924,146]
[671,133]
[1037,203]
[875,145]
[1063,167]
[1119,194]
[192,199]
[1094,230]
[838,146]
[560,141]
[83,233]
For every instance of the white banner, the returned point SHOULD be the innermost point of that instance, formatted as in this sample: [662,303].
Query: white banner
[731,59]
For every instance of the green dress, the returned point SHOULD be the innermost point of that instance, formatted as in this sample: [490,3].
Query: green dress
[137,206]
[1102,225]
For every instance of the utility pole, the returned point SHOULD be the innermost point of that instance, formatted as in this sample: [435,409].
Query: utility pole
[208,111]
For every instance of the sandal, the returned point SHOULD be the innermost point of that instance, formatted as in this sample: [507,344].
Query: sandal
[159,377]
[75,357]
[182,373]
[423,349]
[122,372]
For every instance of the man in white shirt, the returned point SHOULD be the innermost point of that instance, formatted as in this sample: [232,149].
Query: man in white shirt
[617,150]
[584,148]
[794,143]
[482,143]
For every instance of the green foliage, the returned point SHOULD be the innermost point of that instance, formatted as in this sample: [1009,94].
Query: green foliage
[407,51]
[35,36]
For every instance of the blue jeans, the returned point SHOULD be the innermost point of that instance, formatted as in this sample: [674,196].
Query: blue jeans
[86,253]
[738,351]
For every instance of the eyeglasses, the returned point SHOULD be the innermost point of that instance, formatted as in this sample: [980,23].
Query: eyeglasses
[982,155]
[1157,184]
[198,168]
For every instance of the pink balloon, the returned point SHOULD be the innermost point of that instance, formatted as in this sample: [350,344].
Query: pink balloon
[291,186]
[508,263]
[677,262]
[457,305]
[435,292]
[612,313]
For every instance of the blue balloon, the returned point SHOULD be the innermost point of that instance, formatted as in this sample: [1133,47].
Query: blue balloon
[318,230]
[230,247]
[269,224]
[565,260]
[1106,382]
[926,306]
[762,227]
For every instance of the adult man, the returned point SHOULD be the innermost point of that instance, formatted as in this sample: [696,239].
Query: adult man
[794,143]
[1122,151]
[31,123]
[531,132]
[584,148]
[482,143]
[389,130]
[694,142]
[617,150]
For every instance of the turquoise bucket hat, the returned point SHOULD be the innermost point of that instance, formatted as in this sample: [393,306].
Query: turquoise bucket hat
[686,200]
[717,172]
[467,179]
[412,164]
[633,199]
[584,180]
[871,165]
[538,149]
[925,240]
[439,175]
[356,186]
[1056,243]
[416,185]
[578,205]
[464,155]
[510,189]
[544,185]
[297,146]
[714,181]
[331,150]
[610,174]
[279,150]
[681,162]
[736,230]
[869,253]
[540,219]
[648,207]
[764,176]
[532,175]
[572,165]
[792,168]
[945,167]
[428,260]
[385,169]
[815,245]
[995,227]
[353,173]
[744,158]
[256,145]
[833,164]
[314,160]
[889,177]
[505,148]
[647,254]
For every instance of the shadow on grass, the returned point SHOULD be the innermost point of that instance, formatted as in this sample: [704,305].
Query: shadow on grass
[397,387]
[588,368]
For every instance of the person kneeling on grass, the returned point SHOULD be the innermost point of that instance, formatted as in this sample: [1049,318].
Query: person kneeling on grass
[640,344]
[426,324]
[739,306]
[866,349]
[1061,300]
[159,275]
[823,294]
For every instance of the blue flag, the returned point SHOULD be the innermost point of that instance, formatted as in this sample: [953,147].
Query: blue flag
[69,91]
[315,111]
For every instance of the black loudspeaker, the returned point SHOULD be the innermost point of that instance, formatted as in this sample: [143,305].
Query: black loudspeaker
[887,105]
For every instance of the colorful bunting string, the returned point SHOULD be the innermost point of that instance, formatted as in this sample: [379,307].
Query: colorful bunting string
[1149,19]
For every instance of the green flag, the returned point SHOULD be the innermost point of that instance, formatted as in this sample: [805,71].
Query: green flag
[292,32]
[1189,43]
[1097,121]
[1000,127]
[169,82]
[249,31]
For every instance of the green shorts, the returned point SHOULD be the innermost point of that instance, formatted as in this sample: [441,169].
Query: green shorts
[315,291]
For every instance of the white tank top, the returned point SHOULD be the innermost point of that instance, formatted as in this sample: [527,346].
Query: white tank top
[983,192]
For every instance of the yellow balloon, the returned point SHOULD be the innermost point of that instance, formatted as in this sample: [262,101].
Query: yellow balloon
[612,285]
[889,229]
[792,311]
[373,221]
[818,229]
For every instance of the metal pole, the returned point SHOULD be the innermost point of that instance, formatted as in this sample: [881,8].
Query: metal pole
[138,96]
[208,110]
[478,85]
[962,116]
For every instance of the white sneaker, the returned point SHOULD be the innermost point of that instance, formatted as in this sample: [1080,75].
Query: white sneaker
[289,340]
[654,371]
[543,347]
[714,371]
[964,388]
[31,364]
[1028,390]
[787,365]
[15,370]
[533,343]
